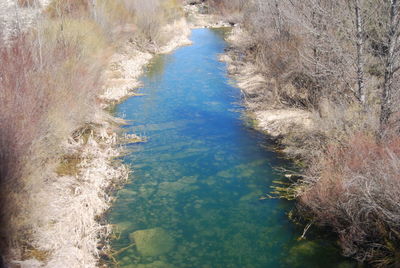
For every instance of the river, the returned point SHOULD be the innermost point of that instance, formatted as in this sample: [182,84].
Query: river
[197,182]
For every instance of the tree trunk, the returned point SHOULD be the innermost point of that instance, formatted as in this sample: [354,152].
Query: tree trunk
[360,54]
[278,22]
[390,65]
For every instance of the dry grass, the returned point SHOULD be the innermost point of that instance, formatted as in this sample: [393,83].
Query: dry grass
[50,80]
[226,7]
[48,87]
[67,8]
[151,16]
[303,54]
[69,166]
[81,200]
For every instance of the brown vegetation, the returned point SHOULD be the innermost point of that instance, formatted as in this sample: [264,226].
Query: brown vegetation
[227,7]
[357,194]
[67,8]
[48,88]
[50,80]
[338,60]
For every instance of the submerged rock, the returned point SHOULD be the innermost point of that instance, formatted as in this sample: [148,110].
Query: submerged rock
[123,226]
[300,252]
[312,252]
[182,185]
[304,248]
[254,196]
[152,242]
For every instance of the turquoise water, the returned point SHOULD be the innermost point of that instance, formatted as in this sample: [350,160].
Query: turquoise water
[200,176]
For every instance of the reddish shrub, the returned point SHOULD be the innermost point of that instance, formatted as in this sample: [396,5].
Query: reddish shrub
[357,195]
[21,107]
[46,92]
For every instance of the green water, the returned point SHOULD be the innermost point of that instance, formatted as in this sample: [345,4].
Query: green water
[201,174]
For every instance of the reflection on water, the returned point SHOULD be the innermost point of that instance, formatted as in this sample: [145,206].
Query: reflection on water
[194,197]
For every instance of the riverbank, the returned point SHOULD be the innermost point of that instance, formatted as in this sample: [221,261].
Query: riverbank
[326,104]
[127,65]
[277,122]
[98,172]
[195,197]
[61,224]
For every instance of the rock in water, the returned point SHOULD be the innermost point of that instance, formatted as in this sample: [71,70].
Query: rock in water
[152,242]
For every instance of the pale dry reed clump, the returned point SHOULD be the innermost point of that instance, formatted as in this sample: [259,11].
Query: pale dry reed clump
[68,207]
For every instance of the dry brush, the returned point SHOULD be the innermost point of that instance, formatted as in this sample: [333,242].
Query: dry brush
[338,61]
[56,143]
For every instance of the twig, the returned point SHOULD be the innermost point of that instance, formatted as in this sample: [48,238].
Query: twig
[122,250]
[303,236]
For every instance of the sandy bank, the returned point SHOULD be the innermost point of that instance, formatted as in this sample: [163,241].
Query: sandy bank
[275,120]
[127,65]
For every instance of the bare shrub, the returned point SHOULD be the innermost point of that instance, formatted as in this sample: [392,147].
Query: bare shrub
[172,10]
[277,50]
[148,18]
[227,6]
[62,8]
[357,195]
[339,61]
[113,17]
[16,108]
[48,87]
[50,80]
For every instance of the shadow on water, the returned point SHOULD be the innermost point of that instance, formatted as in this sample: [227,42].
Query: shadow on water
[197,181]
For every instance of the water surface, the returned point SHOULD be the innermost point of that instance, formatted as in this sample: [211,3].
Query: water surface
[202,172]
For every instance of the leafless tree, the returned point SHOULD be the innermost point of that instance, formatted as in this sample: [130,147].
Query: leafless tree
[347,51]
[392,63]
[360,51]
